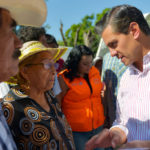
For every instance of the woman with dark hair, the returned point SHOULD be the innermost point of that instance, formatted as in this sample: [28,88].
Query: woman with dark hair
[81,102]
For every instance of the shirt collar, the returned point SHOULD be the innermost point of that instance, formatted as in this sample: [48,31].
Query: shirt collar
[146,65]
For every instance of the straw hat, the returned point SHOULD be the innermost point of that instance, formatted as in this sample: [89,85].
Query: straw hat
[26,12]
[33,47]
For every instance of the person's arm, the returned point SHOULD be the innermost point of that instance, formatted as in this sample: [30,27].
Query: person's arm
[64,88]
[120,121]
[136,144]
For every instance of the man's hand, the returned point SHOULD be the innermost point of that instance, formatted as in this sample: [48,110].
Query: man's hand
[106,138]
[101,140]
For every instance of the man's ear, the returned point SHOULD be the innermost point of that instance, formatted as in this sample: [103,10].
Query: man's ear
[24,72]
[134,30]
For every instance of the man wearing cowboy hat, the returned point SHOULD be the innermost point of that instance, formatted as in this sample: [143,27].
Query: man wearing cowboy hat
[13,12]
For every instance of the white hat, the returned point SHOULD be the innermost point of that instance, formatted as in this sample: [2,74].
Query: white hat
[26,12]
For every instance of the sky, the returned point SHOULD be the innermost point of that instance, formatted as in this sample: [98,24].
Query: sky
[72,11]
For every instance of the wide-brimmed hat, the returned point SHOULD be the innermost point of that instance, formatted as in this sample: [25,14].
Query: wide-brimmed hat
[26,12]
[34,47]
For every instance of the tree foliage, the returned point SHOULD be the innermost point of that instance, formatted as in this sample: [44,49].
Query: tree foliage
[84,31]
[100,15]
[85,25]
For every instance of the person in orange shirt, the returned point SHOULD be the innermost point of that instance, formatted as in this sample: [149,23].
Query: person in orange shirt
[80,97]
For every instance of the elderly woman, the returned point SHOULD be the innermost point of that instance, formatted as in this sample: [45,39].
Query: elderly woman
[33,114]
[81,102]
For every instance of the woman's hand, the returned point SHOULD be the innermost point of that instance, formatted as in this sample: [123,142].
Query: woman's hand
[103,90]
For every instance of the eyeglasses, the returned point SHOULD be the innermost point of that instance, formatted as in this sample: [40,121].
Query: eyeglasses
[47,65]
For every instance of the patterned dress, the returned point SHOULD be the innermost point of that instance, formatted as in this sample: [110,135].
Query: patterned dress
[32,127]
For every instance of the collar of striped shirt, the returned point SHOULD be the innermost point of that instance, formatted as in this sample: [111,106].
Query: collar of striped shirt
[146,65]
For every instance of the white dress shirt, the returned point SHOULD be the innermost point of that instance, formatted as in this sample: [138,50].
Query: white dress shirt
[4,89]
[133,102]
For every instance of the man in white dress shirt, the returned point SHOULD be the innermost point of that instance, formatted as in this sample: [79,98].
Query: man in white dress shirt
[127,35]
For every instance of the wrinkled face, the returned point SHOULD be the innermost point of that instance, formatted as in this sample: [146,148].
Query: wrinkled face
[85,64]
[41,72]
[9,47]
[124,47]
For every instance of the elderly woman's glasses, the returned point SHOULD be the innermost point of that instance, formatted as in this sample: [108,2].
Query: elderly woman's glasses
[47,65]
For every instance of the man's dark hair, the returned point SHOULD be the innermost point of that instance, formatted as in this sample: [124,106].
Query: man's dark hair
[50,39]
[121,16]
[73,60]
[27,33]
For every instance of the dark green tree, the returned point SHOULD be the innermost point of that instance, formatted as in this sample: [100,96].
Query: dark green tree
[75,33]
[84,32]
[100,15]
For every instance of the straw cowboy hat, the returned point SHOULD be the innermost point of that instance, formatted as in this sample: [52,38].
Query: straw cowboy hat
[30,48]
[26,12]
[33,47]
